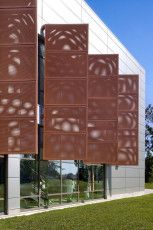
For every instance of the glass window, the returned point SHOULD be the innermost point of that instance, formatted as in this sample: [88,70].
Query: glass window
[47,183]
[50,182]
[69,181]
[98,182]
[91,181]
[50,175]
[84,181]
[98,177]
[28,177]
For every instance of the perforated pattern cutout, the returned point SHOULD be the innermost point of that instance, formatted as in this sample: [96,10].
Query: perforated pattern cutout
[103,65]
[65,105]
[16,100]
[101,153]
[128,120]
[17,135]
[67,119]
[102,109]
[102,87]
[18,26]
[65,146]
[18,77]
[102,131]
[17,63]
[66,38]
[66,64]
[65,91]
[128,102]
[128,84]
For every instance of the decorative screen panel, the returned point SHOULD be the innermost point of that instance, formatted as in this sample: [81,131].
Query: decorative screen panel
[103,65]
[17,135]
[99,131]
[18,63]
[102,109]
[18,76]
[101,153]
[66,64]
[65,38]
[64,146]
[66,119]
[17,3]
[65,91]
[18,26]
[65,104]
[128,120]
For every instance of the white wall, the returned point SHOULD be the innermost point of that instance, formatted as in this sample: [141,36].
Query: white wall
[102,40]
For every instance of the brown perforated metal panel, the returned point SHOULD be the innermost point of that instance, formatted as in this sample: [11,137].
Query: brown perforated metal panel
[102,87]
[66,64]
[18,26]
[18,76]
[17,3]
[99,131]
[65,38]
[18,63]
[102,110]
[65,91]
[17,100]
[66,119]
[65,146]
[17,135]
[103,65]
[65,104]
[128,120]
[101,153]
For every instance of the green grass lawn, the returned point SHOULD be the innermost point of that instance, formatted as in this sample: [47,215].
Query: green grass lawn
[131,213]
[149,185]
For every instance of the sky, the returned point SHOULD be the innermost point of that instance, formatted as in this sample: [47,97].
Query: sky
[132,22]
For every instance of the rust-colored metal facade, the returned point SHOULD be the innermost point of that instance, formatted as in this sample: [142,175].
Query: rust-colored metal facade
[102,110]
[18,76]
[65,102]
[128,120]
[104,105]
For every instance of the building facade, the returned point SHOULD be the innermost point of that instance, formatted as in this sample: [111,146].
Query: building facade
[27,181]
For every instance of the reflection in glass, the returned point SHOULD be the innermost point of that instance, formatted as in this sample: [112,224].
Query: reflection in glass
[68,198]
[98,177]
[50,176]
[69,181]
[49,183]
[91,181]
[54,199]
[30,202]
[28,177]
[84,181]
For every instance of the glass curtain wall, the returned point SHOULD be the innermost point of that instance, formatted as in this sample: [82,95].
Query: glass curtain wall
[29,182]
[49,183]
